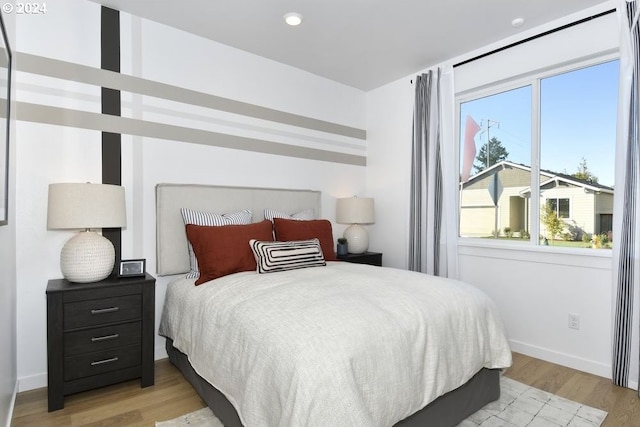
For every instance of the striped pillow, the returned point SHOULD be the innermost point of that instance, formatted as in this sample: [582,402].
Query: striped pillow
[281,256]
[305,215]
[211,219]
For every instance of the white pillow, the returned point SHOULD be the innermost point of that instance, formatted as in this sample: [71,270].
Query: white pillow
[210,219]
[281,256]
[305,215]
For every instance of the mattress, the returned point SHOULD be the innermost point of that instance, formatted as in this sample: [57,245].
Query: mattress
[345,344]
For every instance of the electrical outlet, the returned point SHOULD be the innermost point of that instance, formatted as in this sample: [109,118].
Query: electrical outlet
[574,321]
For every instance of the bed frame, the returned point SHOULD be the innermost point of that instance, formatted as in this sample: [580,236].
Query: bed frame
[172,258]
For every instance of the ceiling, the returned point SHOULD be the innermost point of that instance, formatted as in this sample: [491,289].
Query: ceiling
[360,43]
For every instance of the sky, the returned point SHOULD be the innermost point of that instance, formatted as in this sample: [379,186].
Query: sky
[577,120]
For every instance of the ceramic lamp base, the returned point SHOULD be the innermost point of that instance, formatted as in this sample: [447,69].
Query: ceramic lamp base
[357,239]
[87,257]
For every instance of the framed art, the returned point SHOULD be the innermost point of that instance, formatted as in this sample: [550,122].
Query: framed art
[132,268]
[5,103]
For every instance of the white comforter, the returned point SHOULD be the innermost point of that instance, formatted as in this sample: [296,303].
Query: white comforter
[342,345]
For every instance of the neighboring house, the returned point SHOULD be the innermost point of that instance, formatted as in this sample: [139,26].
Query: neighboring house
[499,197]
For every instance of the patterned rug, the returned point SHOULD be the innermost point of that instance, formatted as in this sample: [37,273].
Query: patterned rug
[519,406]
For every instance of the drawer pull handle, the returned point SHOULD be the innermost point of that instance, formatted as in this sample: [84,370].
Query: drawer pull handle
[105,310]
[105,338]
[101,362]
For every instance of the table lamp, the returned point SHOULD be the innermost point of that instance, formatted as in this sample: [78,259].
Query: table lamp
[355,211]
[87,256]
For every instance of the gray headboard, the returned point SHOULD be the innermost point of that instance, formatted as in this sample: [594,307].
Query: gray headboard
[171,240]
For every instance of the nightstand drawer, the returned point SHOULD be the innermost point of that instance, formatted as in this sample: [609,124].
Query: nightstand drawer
[102,338]
[101,311]
[99,362]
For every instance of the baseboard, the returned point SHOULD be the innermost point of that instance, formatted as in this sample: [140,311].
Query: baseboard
[568,360]
[11,406]
[32,382]
[160,352]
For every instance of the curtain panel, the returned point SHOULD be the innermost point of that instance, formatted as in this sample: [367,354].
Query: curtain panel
[433,195]
[626,348]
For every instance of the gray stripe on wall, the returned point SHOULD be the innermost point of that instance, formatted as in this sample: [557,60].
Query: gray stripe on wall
[263,128]
[102,122]
[84,74]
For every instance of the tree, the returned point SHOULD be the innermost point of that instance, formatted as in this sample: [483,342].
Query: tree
[497,153]
[552,223]
[584,173]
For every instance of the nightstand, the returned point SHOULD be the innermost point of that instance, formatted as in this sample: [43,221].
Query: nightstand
[99,334]
[371,258]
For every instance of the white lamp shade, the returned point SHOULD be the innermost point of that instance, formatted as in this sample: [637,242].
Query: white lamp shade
[355,210]
[85,206]
[88,256]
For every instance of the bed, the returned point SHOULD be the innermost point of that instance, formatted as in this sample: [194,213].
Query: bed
[327,345]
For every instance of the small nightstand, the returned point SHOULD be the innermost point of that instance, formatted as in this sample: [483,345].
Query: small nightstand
[99,334]
[371,258]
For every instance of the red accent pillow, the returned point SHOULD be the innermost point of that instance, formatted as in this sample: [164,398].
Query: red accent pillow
[223,250]
[291,229]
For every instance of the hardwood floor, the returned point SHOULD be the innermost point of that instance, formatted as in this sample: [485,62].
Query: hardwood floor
[127,404]
[622,404]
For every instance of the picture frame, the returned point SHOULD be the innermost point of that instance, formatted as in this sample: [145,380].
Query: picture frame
[5,104]
[132,268]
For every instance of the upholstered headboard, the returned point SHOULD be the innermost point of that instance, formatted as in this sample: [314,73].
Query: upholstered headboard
[171,240]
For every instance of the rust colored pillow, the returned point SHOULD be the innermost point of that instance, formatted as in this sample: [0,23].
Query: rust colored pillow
[291,229]
[225,249]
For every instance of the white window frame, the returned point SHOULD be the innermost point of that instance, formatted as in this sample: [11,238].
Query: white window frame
[529,79]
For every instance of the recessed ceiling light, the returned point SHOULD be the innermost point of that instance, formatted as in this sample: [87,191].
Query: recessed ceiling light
[293,19]
[517,22]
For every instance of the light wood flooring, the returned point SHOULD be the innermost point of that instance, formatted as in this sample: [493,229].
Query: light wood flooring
[127,404]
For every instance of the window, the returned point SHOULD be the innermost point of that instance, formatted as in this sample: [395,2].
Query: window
[560,207]
[537,157]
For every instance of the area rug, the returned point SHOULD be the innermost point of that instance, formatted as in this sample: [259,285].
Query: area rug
[519,406]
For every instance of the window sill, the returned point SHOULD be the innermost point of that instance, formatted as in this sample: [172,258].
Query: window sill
[527,252]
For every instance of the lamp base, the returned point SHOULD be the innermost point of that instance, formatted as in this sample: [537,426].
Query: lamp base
[357,239]
[87,257]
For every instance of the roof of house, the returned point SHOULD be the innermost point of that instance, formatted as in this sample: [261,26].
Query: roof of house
[550,175]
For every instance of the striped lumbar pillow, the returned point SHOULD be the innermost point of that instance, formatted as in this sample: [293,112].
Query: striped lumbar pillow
[190,216]
[280,256]
[305,215]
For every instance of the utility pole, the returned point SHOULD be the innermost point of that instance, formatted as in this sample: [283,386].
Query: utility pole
[489,124]
[494,181]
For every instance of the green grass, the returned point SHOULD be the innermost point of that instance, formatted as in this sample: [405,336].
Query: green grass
[556,243]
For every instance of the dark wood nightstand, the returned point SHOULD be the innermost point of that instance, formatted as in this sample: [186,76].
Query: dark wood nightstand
[371,258]
[99,334]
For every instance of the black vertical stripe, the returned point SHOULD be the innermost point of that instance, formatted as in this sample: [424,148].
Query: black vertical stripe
[111,142]
[427,87]
[437,197]
[417,177]
[415,222]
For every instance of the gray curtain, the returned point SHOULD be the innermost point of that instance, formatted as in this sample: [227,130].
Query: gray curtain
[627,243]
[425,219]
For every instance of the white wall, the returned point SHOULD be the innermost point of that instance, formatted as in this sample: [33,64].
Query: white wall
[535,290]
[8,366]
[50,153]
[47,154]
[534,309]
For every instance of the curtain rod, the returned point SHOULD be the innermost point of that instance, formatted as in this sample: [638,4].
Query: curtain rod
[571,24]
